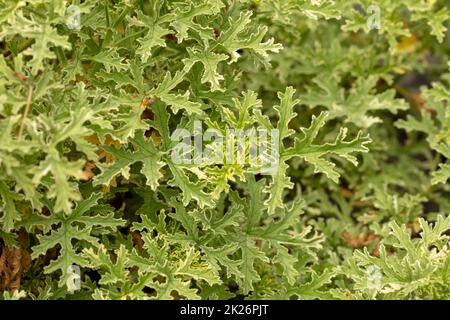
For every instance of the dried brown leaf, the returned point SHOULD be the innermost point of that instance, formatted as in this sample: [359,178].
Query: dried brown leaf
[13,262]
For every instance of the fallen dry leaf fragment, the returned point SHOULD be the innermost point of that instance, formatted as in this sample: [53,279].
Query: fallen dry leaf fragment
[13,262]
[360,241]
[87,173]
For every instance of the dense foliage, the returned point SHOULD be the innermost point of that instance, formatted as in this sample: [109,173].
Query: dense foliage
[93,204]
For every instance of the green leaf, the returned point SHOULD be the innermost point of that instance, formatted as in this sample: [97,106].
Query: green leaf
[110,60]
[41,31]
[10,214]
[190,190]
[185,17]
[153,36]
[279,179]
[442,175]
[145,152]
[313,154]
[210,62]
[232,40]
[78,226]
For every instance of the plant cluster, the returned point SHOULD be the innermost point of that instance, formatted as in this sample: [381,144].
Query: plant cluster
[93,205]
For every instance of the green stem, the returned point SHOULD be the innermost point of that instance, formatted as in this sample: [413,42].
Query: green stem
[60,54]
[107,14]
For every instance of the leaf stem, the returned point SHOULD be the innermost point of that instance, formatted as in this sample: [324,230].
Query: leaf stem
[27,110]
[107,14]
